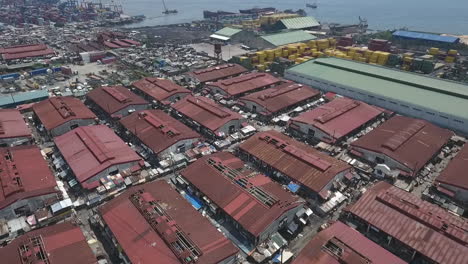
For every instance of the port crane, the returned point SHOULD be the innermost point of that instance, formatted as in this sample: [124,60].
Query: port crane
[167,11]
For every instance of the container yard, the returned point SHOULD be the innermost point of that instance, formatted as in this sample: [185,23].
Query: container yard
[258,135]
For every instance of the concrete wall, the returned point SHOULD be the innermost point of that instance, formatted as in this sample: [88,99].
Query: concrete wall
[391,163]
[188,143]
[441,119]
[106,172]
[66,127]
[236,123]
[304,131]
[11,142]
[249,105]
[460,194]
[34,204]
[273,227]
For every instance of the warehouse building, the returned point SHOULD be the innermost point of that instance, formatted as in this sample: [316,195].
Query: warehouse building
[27,184]
[216,73]
[160,91]
[278,99]
[334,121]
[426,37]
[242,85]
[26,51]
[158,133]
[14,100]
[281,39]
[59,115]
[402,143]
[94,152]
[295,23]
[444,103]
[116,101]
[453,180]
[255,205]
[55,244]
[340,243]
[291,161]
[207,117]
[153,223]
[413,229]
[13,129]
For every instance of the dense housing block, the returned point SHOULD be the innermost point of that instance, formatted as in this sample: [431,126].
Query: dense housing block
[444,103]
[413,229]
[242,85]
[93,152]
[216,73]
[248,199]
[207,116]
[290,160]
[278,99]
[117,101]
[55,244]
[153,223]
[159,133]
[59,115]
[340,243]
[161,91]
[402,143]
[334,121]
[13,129]
[26,181]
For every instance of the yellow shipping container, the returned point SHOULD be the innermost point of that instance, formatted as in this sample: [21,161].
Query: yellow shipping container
[408,60]
[292,57]
[312,44]
[434,51]
[260,67]
[449,59]
[452,52]
[285,53]
[332,41]
[368,53]
[361,59]
[348,57]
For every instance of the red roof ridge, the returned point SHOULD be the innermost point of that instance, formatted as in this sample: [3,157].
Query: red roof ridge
[9,177]
[217,68]
[112,91]
[337,111]
[90,140]
[403,135]
[279,92]
[62,107]
[156,81]
[157,123]
[243,78]
[208,107]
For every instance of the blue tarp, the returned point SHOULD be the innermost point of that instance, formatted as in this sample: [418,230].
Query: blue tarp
[425,36]
[293,187]
[196,203]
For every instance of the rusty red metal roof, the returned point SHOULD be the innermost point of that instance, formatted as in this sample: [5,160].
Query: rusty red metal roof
[12,124]
[58,243]
[425,227]
[112,99]
[22,48]
[56,111]
[159,89]
[455,173]
[90,150]
[217,72]
[157,130]
[339,118]
[353,248]
[111,45]
[245,83]
[282,96]
[212,175]
[205,112]
[298,161]
[24,174]
[145,244]
[131,42]
[25,51]
[411,142]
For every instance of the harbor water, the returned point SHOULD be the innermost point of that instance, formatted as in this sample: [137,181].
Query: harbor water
[421,15]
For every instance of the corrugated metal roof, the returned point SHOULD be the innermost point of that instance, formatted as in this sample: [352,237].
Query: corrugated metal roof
[90,150]
[56,111]
[339,117]
[35,177]
[282,96]
[157,130]
[427,228]
[252,214]
[112,99]
[455,173]
[245,83]
[355,248]
[302,163]
[205,112]
[425,36]
[12,124]
[227,32]
[142,244]
[411,142]
[217,72]
[280,39]
[300,22]
[62,243]
[159,89]
[430,93]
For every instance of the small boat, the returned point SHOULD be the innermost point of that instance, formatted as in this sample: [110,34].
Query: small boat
[314,5]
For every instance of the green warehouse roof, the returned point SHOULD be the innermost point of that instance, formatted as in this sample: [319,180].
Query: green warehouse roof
[227,32]
[438,95]
[280,39]
[300,22]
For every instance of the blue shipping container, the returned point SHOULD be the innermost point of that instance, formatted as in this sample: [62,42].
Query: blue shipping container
[38,71]
[14,75]
[58,69]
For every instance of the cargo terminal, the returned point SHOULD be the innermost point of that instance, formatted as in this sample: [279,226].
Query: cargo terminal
[438,101]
